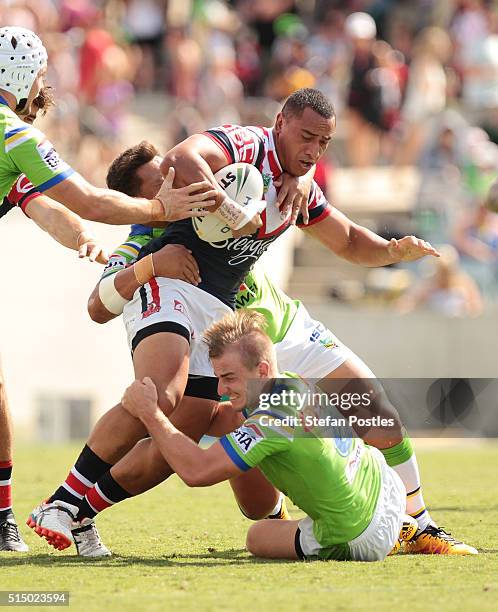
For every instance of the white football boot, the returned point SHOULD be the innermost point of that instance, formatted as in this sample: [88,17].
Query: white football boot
[54,522]
[87,540]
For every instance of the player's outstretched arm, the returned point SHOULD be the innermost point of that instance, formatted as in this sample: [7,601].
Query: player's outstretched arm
[116,208]
[118,284]
[197,467]
[359,245]
[65,227]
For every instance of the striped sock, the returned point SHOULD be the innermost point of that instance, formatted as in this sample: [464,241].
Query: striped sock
[5,489]
[404,462]
[105,493]
[83,475]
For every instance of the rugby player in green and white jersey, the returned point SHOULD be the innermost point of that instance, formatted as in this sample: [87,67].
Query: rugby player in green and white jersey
[302,344]
[354,502]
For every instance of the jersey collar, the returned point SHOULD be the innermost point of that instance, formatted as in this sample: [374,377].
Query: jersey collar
[273,148]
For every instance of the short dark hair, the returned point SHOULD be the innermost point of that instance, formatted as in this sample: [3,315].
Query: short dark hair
[122,174]
[308,98]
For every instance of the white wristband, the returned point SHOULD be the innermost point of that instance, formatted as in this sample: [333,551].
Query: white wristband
[110,297]
[250,210]
[230,212]
[235,215]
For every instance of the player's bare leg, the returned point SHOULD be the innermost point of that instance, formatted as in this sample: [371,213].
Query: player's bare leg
[273,539]
[10,538]
[144,467]
[165,358]
[256,497]
[354,376]
[281,540]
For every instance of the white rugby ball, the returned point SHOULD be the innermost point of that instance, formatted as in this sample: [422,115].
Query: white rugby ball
[242,183]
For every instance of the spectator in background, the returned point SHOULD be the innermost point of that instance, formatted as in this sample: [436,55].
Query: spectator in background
[366,118]
[221,94]
[480,73]
[184,64]
[97,39]
[441,156]
[144,22]
[469,26]
[442,193]
[248,61]
[114,90]
[290,56]
[480,164]
[476,238]
[448,290]
[329,56]
[426,91]
[390,77]
[260,15]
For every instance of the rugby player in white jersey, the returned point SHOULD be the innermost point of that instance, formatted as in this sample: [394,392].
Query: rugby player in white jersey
[301,343]
[167,315]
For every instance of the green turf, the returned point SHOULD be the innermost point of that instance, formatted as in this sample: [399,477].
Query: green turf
[183,549]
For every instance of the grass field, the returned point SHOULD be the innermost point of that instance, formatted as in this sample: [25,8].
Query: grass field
[183,549]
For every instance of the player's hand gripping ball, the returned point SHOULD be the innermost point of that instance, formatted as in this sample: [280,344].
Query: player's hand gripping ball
[242,183]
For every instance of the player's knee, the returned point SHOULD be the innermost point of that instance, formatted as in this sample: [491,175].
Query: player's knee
[253,541]
[169,400]
[255,514]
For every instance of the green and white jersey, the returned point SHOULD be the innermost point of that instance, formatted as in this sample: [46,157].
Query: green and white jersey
[336,481]
[26,150]
[257,293]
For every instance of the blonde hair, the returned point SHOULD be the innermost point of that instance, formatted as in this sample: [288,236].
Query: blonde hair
[243,329]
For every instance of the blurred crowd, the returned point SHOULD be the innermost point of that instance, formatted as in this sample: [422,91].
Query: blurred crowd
[414,82]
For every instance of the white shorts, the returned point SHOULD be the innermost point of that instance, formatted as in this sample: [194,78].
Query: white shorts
[309,348]
[171,305]
[379,538]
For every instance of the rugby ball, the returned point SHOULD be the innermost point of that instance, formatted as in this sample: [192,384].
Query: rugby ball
[242,183]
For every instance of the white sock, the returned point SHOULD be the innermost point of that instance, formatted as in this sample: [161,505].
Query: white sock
[278,506]
[415,505]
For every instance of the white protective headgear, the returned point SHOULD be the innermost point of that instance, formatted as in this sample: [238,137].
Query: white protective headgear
[22,54]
